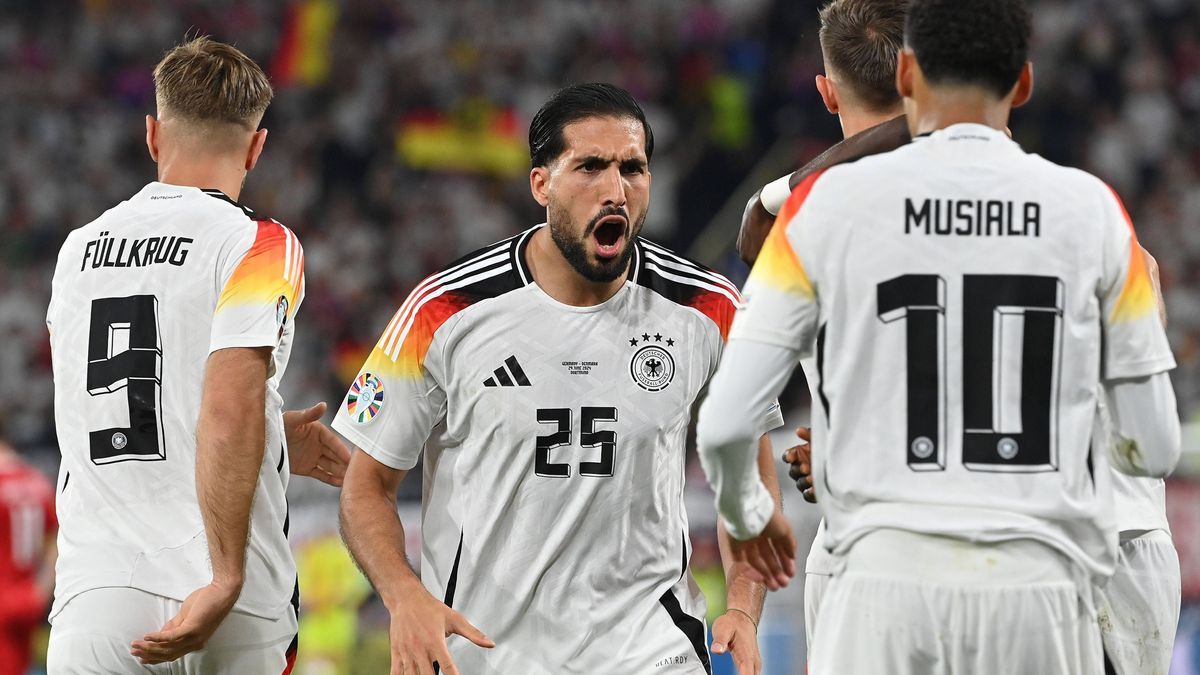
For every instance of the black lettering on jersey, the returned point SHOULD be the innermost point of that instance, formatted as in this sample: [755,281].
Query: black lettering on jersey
[972,218]
[106,251]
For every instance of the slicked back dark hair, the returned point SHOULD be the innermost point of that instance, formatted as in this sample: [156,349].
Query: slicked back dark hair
[860,40]
[974,42]
[576,102]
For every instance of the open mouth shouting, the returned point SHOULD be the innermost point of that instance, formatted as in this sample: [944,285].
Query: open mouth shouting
[609,232]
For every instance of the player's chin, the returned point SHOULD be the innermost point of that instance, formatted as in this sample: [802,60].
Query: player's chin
[608,265]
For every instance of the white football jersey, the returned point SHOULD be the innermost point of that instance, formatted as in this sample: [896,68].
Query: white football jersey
[141,297]
[962,300]
[554,440]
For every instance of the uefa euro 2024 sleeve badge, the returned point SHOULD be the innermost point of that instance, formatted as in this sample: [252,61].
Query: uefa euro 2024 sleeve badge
[365,399]
[652,366]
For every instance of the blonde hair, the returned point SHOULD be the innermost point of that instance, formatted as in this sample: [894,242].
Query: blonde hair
[205,81]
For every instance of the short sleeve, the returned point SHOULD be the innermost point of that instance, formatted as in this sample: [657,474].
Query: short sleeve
[398,396]
[1135,341]
[263,287]
[781,305]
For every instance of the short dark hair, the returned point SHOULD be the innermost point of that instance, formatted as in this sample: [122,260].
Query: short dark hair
[975,42]
[576,102]
[860,40]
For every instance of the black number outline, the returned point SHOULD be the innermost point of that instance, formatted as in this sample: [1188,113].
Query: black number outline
[605,439]
[542,466]
[920,299]
[137,369]
[988,303]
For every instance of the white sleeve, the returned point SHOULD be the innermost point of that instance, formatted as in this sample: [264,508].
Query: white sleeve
[775,193]
[1146,432]
[750,377]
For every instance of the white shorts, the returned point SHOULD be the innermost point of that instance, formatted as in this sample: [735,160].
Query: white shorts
[93,633]
[1139,607]
[912,604]
[815,586]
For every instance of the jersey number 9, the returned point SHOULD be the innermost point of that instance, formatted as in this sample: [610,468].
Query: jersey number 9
[124,353]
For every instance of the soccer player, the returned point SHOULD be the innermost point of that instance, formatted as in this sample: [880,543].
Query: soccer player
[966,505]
[171,321]
[1140,605]
[27,552]
[859,42]
[548,379]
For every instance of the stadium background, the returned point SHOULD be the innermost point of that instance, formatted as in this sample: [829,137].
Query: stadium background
[398,143]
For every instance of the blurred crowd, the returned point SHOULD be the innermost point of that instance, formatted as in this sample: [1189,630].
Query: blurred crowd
[398,143]
[397,137]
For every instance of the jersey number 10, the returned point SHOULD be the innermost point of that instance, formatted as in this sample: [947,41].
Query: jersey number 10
[1011,349]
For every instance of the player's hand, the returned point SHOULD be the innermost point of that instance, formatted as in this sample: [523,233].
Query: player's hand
[769,558]
[734,633]
[799,457]
[202,612]
[314,450]
[419,630]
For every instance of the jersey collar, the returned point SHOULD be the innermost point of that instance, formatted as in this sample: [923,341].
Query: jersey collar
[968,132]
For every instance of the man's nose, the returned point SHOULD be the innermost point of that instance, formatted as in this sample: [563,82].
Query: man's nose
[613,187]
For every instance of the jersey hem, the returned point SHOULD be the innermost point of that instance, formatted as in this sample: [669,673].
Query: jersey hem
[1143,368]
[243,341]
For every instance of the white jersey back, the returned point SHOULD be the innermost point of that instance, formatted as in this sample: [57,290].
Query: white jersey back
[554,441]
[141,297]
[962,300]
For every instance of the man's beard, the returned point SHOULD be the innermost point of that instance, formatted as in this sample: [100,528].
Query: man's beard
[575,250]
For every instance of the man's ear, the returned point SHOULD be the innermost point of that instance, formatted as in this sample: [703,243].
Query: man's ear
[906,66]
[539,184]
[829,94]
[257,141]
[152,137]
[1023,90]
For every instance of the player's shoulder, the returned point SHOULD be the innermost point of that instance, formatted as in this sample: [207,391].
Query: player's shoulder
[487,272]
[685,282]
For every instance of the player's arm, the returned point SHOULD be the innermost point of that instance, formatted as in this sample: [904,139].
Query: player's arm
[776,327]
[262,282]
[736,631]
[766,204]
[374,534]
[750,377]
[756,224]
[1146,430]
[1137,357]
[230,442]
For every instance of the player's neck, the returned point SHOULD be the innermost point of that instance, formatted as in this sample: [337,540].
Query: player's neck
[856,122]
[205,173]
[554,275]
[936,109]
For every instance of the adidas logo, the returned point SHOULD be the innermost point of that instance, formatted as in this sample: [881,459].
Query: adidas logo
[512,376]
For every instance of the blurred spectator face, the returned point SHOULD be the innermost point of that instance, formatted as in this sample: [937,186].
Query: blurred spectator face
[596,194]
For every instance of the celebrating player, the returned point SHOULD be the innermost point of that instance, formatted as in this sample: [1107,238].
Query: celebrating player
[171,320]
[859,40]
[548,380]
[1140,604]
[999,281]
